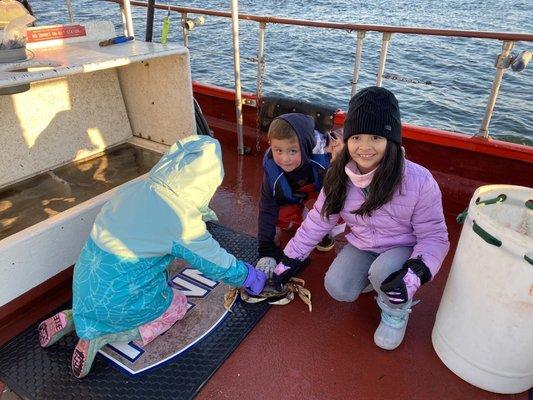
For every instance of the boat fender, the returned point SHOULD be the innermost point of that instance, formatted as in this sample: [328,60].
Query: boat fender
[272,107]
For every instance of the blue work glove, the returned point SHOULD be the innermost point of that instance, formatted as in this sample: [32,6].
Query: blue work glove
[401,285]
[255,281]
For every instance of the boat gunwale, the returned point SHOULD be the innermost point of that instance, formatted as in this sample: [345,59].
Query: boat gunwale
[457,140]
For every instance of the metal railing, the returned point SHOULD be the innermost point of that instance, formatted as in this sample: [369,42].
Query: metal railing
[503,61]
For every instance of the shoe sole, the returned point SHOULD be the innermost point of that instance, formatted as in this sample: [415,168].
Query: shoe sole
[325,249]
[51,330]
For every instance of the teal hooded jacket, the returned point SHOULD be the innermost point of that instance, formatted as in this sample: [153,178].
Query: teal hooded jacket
[120,279]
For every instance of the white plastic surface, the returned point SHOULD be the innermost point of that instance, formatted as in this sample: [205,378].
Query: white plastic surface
[88,57]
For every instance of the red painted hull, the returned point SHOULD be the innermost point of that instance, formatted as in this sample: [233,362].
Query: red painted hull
[459,162]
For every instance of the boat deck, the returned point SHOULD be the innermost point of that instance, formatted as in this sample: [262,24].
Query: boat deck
[329,353]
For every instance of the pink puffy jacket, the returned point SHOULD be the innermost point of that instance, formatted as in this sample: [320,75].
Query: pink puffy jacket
[413,218]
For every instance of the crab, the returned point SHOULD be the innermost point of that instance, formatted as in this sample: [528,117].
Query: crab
[272,295]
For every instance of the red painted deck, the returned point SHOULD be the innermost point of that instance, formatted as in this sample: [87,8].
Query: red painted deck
[329,353]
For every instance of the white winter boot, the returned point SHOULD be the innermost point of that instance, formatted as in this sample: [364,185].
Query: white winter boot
[391,329]
[368,288]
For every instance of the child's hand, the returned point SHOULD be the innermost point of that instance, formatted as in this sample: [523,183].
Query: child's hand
[280,269]
[286,269]
[255,281]
[281,275]
[400,286]
[335,144]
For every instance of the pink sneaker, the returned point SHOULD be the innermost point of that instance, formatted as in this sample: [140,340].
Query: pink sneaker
[54,328]
[83,356]
[85,351]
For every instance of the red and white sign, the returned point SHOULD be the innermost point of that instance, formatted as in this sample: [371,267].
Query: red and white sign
[57,32]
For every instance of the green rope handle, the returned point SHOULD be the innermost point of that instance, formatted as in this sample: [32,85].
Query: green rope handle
[487,237]
[529,204]
[461,218]
[499,199]
[528,259]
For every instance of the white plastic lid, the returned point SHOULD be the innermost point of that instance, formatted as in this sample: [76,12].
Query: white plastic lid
[504,212]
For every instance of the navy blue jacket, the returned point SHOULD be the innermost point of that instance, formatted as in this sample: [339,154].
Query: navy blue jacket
[281,188]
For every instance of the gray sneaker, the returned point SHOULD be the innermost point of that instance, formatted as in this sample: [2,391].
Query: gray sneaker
[267,265]
[326,244]
[369,288]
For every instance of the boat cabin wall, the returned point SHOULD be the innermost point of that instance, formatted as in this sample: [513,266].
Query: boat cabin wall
[159,99]
[59,121]
[95,99]
[78,115]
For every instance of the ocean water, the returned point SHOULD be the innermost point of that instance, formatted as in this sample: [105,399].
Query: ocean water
[316,65]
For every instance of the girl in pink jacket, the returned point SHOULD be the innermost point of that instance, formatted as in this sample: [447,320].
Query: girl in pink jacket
[397,237]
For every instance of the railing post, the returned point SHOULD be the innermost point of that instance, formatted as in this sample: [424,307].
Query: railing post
[184,29]
[70,12]
[125,10]
[357,65]
[237,74]
[501,66]
[383,56]
[124,19]
[260,62]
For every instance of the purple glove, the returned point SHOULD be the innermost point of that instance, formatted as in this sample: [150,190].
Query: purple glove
[400,286]
[255,281]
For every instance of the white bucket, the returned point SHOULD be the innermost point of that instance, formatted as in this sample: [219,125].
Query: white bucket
[484,326]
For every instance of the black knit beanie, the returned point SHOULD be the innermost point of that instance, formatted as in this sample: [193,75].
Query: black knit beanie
[374,111]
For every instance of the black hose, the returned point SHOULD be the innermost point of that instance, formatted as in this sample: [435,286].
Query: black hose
[202,127]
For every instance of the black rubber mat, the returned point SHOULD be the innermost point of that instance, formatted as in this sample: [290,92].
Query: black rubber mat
[35,373]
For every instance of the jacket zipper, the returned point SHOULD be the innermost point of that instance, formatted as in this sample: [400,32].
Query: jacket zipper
[370,224]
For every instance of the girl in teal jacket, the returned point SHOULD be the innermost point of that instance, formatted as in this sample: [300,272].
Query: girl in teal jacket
[120,281]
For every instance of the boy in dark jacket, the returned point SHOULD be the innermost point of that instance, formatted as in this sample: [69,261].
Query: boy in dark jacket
[294,167]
